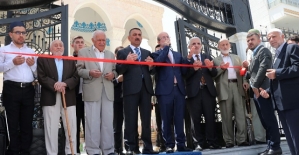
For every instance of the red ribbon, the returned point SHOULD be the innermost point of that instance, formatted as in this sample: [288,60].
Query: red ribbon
[116,61]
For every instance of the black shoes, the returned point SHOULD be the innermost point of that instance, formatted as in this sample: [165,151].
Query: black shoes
[271,152]
[183,149]
[149,152]
[162,149]
[169,150]
[198,148]
[229,145]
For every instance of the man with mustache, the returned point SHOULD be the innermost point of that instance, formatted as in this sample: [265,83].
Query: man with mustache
[261,61]
[137,92]
[230,94]
[58,77]
[18,91]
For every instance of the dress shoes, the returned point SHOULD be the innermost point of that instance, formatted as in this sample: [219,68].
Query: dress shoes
[183,149]
[129,153]
[162,149]
[198,148]
[169,150]
[244,144]
[274,152]
[229,145]
[137,151]
[149,152]
[215,146]
[264,152]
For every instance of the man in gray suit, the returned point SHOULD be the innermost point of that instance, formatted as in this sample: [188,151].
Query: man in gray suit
[261,61]
[98,96]
[230,93]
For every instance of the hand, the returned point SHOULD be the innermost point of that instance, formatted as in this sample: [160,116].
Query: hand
[132,57]
[271,73]
[120,78]
[246,86]
[224,66]
[149,59]
[95,73]
[198,65]
[256,92]
[166,42]
[245,63]
[60,87]
[209,63]
[18,60]
[264,93]
[30,61]
[191,52]
[109,76]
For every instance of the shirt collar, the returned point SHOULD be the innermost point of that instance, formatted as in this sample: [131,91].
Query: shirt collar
[96,50]
[280,47]
[14,45]
[133,47]
[255,49]
[224,55]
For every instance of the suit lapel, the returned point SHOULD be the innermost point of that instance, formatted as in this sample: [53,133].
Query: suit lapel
[53,69]
[143,56]
[104,64]
[280,56]
[234,61]
[93,55]
[65,69]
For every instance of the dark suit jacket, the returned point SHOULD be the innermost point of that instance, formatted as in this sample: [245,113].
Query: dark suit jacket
[48,76]
[165,75]
[261,61]
[117,91]
[132,74]
[193,78]
[285,87]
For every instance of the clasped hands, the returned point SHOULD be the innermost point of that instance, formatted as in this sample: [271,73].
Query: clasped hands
[95,73]
[60,87]
[208,64]
[18,60]
[134,57]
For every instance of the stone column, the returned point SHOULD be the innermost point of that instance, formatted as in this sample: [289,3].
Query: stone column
[240,40]
[115,35]
[152,42]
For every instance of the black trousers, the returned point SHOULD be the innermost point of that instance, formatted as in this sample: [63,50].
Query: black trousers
[80,118]
[19,104]
[142,99]
[203,104]
[118,125]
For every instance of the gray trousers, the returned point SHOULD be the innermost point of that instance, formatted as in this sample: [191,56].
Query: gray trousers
[51,125]
[99,136]
[259,130]
[234,104]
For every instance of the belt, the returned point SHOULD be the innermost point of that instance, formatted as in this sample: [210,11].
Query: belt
[175,84]
[19,84]
[232,80]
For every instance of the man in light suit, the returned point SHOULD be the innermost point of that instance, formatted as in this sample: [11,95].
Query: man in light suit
[57,77]
[230,94]
[201,96]
[137,92]
[284,87]
[98,96]
[170,92]
[261,61]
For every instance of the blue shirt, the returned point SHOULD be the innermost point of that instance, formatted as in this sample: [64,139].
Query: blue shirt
[59,66]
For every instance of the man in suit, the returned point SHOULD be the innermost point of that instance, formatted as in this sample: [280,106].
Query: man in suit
[170,92]
[261,61]
[293,39]
[201,96]
[284,87]
[137,92]
[57,77]
[230,94]
[98,96]
[77,44]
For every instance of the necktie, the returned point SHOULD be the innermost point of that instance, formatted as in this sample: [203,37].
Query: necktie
[138,53]
[202,79]
[276,55]
[171,60]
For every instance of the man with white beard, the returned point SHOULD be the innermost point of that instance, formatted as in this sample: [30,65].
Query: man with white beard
[230,93]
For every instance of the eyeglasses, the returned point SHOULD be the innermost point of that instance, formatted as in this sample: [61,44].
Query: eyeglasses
[19,33]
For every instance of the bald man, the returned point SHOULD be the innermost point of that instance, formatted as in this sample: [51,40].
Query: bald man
[57,77]
[230,94]
[98,96]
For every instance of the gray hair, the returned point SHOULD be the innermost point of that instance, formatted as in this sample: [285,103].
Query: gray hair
[95,33]
[276,30]
[193,38]
[51,44]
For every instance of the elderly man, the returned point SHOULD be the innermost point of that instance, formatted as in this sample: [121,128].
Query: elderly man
[98,96]
[284,87]
[18,92]
[201,96]
[230,93]
[137,92]
[57,77]
[261,61]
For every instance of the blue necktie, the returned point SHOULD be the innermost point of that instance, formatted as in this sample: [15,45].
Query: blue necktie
[138,53]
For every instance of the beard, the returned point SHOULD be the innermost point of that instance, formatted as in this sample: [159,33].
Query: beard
[225,52]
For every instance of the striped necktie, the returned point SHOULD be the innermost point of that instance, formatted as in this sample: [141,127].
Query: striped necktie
[138,53]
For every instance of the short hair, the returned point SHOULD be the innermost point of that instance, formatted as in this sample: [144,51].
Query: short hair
[252,32]
[76,37]
[51,44]
[275,30]
[193,39]
[118,49]
[157,46]
[97,32]
[15,24]
[135,28]
[294,38]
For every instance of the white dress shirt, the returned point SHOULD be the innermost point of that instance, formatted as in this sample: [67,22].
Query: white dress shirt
[99,55]
[231,71]
[16,73]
